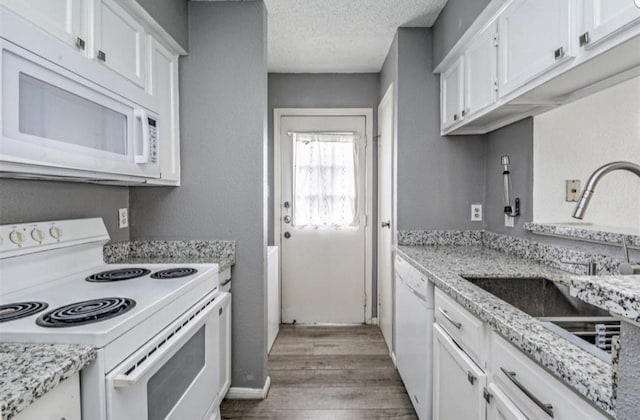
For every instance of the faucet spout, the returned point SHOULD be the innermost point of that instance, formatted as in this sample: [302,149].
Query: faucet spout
[595,177]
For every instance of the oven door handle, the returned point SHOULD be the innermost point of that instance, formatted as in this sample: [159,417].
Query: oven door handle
[142,362]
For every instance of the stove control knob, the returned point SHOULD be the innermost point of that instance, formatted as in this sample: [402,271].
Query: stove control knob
[37,235]
[56,232]
[17,237]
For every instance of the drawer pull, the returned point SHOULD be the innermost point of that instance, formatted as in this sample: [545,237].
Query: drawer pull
[446,316]
[547,408]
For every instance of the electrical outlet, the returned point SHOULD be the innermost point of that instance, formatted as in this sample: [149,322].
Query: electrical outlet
[509,221]
[476,212]
[123,218]
[573,190]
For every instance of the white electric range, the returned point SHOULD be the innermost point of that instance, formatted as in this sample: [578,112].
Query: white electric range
[157,328]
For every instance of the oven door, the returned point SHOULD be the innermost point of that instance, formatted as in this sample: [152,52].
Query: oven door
[175,375]
[53,117]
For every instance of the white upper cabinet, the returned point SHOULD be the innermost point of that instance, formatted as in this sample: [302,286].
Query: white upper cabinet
[602,18]
[452,94]
[163,84]
[481,71]
[535,36]
[119,40]
[65,19]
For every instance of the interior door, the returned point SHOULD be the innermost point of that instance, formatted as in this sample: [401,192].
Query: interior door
[322,224]
[385,213]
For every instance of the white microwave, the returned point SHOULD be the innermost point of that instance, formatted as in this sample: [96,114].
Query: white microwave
[52,117]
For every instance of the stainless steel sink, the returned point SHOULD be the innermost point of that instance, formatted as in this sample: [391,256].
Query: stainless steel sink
[585,325]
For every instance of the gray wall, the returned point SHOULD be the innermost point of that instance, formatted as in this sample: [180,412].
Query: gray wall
[321,91]
[438,177]
[452,23]
[223,107]
[172,16]
[30,201]
[515,140]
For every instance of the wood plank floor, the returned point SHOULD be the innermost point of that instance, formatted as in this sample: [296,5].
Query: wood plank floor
[322,373]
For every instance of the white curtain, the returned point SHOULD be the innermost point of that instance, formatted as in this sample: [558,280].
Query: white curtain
[325,184]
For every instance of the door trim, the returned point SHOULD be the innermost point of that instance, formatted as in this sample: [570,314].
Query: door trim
[278,113]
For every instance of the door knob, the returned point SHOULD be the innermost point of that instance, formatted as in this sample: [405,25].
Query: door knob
[386,224]
[287,235]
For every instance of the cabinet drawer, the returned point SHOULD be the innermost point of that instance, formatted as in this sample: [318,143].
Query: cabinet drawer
[461,325]
[534,391]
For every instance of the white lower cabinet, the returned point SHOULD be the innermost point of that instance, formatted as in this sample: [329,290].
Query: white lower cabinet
[499,382]
[225,351]
[458,383]
[62,402]
[500,407]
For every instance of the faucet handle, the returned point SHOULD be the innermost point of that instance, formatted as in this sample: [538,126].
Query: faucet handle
[627,267]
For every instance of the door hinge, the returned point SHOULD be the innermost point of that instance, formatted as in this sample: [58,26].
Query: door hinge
[366,220]
[486,395]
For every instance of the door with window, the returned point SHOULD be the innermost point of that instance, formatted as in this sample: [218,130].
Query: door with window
[322,223]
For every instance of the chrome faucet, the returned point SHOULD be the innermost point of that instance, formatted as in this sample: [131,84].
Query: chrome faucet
[595,177]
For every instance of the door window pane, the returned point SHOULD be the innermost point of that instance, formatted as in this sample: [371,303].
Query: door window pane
[50,112]
[325,183]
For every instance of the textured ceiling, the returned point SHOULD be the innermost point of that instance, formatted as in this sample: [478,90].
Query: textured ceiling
[339,36]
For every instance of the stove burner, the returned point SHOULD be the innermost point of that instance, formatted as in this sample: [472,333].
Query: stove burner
[174,273]
[18,310]
[86,312]
[118,275]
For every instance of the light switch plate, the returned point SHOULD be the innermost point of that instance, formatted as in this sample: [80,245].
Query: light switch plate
[509,221]
[573,190]
[123,218]
[476,212]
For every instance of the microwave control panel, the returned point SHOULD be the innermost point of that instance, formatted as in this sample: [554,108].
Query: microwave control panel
[153,141]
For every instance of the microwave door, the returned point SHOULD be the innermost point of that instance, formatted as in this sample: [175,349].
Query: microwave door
[53,117]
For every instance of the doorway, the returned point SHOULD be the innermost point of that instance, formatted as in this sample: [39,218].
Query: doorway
[322,200]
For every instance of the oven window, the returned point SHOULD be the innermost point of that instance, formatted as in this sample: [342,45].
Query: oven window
[167,386]
[49,112]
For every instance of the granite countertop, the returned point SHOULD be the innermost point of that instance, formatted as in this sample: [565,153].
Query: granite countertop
[222,253]
[447,265]
[28,371]
[619,295]
[587,232]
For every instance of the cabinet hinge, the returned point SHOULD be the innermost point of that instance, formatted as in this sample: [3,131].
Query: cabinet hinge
[495,40]
[495,86]
[486,395]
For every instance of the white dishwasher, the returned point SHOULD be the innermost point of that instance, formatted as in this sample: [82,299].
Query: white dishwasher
[414,304]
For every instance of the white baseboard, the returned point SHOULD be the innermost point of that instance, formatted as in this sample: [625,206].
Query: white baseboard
[237,393]
[393,359]
[373,321]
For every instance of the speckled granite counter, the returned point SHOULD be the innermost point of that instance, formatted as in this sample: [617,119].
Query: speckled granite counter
[222,253]
[446,266]
[619,295]
[28,371]
[587,232]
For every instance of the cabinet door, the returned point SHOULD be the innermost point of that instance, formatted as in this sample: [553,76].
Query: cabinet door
[64,19]
[534,37]
[458,383]
[481,71]
[500,407]
[601,18]
[225,349]
[452,94]
[163,84]
[119,41]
